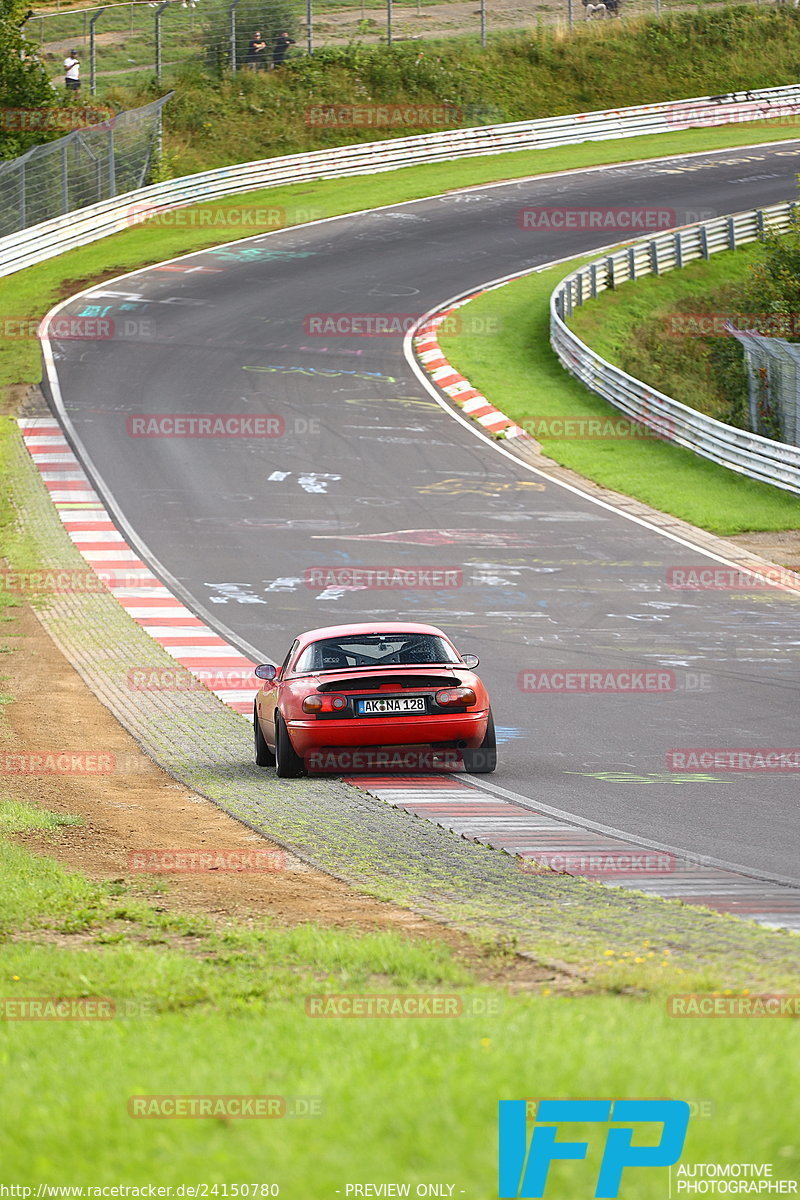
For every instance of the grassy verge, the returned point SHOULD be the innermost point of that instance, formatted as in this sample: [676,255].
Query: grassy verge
[639,330]
[207,1008]
[521,75]
[519,372]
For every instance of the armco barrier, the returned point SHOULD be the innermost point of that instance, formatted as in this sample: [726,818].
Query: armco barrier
[85,225]
[748,453]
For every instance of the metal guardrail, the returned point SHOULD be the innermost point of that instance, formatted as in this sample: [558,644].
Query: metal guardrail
[50,238]
[748,453]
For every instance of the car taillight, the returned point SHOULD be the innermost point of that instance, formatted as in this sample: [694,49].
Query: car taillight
[459,695]
[317,703]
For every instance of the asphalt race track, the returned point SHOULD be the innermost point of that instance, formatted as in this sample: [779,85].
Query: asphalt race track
[371,472]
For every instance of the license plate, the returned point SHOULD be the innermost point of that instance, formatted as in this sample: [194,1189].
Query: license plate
[390,706]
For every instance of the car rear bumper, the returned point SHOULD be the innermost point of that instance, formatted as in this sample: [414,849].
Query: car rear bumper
[465,729]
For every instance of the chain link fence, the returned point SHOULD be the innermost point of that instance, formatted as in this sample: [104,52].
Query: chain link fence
[83,168]
[773,369]
[131,42]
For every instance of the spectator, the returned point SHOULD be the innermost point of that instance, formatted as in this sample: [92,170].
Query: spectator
[282,44]
[256,52]
[73,72]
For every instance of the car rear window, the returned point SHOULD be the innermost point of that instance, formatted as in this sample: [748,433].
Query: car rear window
[375,650]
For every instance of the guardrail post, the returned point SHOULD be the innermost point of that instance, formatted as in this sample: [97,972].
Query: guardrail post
[570,14]
[631,262]
[593,280]
[388,22]
[731,234]
[610,282]
[703,241]
[159,11]
[654,257]
[92,55]
[678,251]
[760,223]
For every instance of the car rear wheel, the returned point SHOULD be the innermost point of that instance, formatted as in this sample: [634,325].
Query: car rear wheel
[264,756]
[288,764]
[483,759]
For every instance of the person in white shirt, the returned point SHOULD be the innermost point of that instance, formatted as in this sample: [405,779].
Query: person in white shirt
[73,70]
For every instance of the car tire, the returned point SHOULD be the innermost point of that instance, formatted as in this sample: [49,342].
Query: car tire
[483,759]
[264,756]
[288,763]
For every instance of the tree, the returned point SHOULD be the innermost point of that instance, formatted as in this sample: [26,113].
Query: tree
[773,286]
[24,84]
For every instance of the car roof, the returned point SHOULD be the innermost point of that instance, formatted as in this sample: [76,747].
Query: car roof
[387,627]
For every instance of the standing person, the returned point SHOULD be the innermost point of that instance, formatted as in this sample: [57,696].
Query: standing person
[73,72]
[282,44]
[256,52]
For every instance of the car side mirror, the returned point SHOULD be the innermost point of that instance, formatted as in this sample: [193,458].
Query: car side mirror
[266,671]
[470,660]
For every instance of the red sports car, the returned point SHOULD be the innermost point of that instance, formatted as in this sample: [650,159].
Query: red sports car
[355,696]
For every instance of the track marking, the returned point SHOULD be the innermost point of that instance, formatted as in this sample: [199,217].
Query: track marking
[187,639]
[539,834]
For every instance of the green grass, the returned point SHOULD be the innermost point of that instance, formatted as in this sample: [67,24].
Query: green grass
[17,818]
[206,1008]
[517,370]
[519,75]
[634,326]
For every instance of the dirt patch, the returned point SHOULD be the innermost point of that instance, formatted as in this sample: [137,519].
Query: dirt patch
[782,547]
[143,809]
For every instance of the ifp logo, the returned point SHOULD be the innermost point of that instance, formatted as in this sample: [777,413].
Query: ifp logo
[524,1165]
